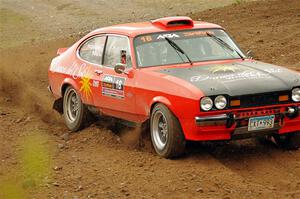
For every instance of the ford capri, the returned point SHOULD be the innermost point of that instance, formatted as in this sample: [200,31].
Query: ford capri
[189,80]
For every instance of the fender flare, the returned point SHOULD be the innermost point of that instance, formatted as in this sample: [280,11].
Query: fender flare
[163,100]
[70,82]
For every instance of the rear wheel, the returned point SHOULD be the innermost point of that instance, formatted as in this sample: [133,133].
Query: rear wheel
[75,112]
[289,141]
[166,133]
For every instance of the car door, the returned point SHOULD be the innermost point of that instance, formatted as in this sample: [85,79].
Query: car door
[117,94]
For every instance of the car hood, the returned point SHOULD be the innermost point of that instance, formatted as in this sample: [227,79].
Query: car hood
[239,78]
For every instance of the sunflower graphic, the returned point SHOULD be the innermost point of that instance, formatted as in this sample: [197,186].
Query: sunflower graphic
[86,86]
[224,68]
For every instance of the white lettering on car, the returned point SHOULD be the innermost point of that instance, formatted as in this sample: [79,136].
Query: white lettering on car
[113,86]
[170,36]
[237,76]
[95,83]
[75,70]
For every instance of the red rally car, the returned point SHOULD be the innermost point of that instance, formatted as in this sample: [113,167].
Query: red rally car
[188,78]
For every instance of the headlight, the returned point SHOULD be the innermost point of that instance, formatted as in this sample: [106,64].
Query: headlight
[206,103]
[296,94]
[220,102]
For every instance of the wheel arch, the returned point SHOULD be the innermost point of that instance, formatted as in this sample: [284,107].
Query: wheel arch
[175,146]
[165,101]
[162,100]
[58,103]
[66,83]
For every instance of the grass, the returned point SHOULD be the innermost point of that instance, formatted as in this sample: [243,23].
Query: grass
[35,159]
[10,189]
[33,172]
[237,2]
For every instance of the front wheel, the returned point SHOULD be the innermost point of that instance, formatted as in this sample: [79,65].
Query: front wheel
[75,112]
[166,133]
[289,141]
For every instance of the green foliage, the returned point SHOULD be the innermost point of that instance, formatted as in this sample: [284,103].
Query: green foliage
[35,159]
[33,171]
[9,189]
[237,2]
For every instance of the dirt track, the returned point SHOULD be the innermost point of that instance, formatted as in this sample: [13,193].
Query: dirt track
[41,159]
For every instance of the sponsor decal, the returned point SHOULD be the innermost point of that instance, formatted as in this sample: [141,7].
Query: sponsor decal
[75,70]
[170,36]
[147,38]
[95,83]
[157,37]
[224,69]
[113,86]
[237,76]
[197,33]
[86,86]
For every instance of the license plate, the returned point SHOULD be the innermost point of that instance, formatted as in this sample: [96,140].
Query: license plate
[261,123]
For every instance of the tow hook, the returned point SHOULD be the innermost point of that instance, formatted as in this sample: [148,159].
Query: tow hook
[230,120]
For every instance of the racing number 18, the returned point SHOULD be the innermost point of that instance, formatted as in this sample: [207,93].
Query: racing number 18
[146,39]
[119,84]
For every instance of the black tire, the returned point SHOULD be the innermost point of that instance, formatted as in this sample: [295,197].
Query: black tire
[166,133]
[289,141]
[75,120]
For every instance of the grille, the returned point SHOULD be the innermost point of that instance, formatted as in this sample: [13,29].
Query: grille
[261,99]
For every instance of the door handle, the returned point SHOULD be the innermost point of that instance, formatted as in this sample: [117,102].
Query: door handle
[98,72]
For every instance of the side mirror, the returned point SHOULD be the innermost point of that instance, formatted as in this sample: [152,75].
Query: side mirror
[120,68]
[250,54]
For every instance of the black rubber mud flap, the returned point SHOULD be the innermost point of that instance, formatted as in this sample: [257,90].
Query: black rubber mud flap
[58,105]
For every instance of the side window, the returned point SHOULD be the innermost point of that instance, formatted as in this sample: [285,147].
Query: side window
[92,50]
[117,50]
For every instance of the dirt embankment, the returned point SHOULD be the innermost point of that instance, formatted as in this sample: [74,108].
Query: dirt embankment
[269,28]
[97,162]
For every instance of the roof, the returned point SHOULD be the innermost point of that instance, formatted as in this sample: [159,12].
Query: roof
[159,25]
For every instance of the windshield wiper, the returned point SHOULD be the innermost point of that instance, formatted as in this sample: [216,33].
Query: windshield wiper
[178,49]
[223,43]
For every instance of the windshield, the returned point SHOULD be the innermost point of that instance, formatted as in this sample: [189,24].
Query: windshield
[154,50]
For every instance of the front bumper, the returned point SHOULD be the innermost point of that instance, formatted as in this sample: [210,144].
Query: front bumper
[234,125]
[222,119]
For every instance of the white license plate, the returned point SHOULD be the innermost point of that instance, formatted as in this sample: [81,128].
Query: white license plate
[261,123]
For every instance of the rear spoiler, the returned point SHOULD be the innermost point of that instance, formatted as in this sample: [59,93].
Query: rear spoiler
[61,51]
